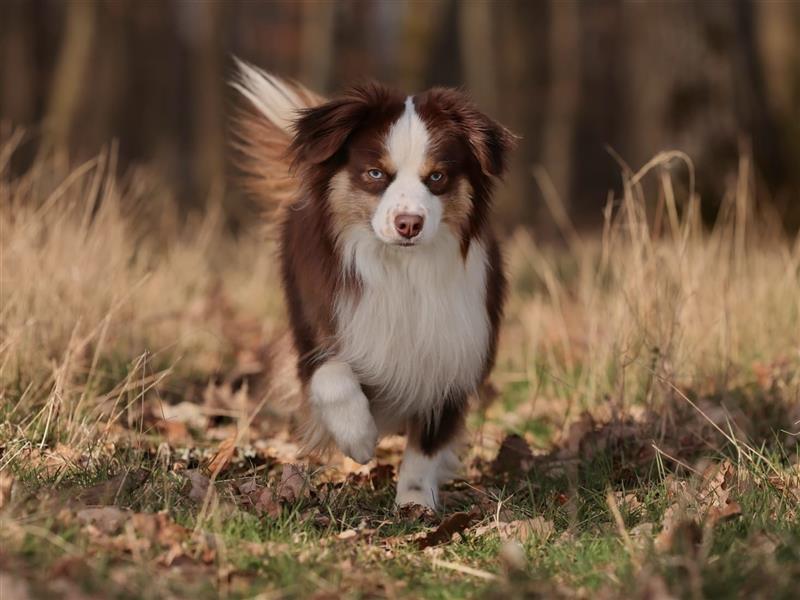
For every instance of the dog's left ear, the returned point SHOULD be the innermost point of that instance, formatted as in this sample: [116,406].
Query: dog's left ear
[489,141]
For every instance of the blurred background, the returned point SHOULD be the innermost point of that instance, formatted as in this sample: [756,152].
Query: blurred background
[588,85]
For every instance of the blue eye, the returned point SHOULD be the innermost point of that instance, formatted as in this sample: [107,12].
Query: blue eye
[436,176]
[375,174]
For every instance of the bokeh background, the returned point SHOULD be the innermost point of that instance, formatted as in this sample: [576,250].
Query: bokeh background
[588,85]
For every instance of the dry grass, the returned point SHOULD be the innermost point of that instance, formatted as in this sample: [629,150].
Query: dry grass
[109,304]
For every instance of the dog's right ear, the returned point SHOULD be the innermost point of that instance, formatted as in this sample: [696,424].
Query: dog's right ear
[321,132]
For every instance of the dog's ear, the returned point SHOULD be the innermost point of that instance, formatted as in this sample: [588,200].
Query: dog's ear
[321,132]
[487,140]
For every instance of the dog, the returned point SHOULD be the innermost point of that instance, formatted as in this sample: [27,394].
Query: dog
[392,276]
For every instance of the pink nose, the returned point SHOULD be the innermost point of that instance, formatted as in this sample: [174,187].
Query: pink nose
[408,225]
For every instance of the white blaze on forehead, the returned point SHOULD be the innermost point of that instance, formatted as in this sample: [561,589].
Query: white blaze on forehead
[406,146]
[407,141]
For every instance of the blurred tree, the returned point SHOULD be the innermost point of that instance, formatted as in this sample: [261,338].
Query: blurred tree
[570,77]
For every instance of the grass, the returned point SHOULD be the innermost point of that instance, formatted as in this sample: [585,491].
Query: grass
[649,372]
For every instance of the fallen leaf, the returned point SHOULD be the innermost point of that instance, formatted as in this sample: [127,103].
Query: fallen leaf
[347,534]
[627,502]
[514,456]
[189,413]
[381,475]
[249,486]
[726,512]
[222,458]
[108,519]
[455,523]
[176,432]
[294,484]
[416,513]
[521,530]
[537,528]
[199,485]
[111,491]
[267,503]
[158,527]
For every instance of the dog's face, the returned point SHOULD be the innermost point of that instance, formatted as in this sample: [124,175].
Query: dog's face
[402,167]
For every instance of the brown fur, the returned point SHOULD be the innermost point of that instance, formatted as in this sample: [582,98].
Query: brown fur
[334,145]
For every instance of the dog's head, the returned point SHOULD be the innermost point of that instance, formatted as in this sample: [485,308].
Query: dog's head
[402,167]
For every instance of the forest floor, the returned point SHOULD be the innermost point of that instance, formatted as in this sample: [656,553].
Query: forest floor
[641,441]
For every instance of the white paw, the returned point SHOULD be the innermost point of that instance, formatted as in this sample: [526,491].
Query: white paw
[354,431]
[344,410]
[424,496]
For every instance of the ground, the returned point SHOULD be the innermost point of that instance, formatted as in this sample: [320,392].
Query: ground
[638,437]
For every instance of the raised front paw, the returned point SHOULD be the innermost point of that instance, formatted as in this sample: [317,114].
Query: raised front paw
[344,410]
[354,431]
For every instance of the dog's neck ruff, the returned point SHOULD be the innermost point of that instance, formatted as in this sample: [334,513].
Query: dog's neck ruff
[417,328]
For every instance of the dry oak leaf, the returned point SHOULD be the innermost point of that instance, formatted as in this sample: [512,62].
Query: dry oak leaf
[451,525]
[107,519]
[514,456]
[109,492]
[199,486]
[223,456]
[267,503]
[294,484]
[158,527]
[520,530]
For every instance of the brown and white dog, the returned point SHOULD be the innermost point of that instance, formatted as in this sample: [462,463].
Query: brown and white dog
[392,276]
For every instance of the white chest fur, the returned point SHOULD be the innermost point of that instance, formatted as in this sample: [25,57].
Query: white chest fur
[419,327]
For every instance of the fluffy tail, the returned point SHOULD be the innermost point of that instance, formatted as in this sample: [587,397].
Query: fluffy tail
[264,132]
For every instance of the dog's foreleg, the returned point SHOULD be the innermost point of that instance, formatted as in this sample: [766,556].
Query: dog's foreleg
[343,409]
[430,457]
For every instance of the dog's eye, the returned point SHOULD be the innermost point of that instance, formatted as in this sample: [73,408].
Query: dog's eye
[436,177]
[375,174]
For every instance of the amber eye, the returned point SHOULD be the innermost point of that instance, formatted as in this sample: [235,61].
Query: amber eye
[376,174]
[436,177]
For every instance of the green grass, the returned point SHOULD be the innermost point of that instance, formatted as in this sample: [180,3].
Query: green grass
[637,365]
[299,553]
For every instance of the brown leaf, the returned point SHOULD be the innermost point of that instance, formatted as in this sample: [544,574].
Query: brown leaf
[176,432]
[537,528]
[189,413]
[521,530]
[109,492]
[199,485]
[416,513]
[108,519]
[347,534]
[268,503]
[159,528]
[249,486]
[222,458]
[294,484]
[728,511]
[381,475]
[455,523]
[514,456]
